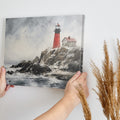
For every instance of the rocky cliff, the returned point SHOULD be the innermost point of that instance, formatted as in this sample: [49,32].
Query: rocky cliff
[63,58]
[59,62]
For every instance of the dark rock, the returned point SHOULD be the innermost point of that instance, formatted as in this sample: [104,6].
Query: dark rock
[76,55]
[64,58]
[36,60]
[50,61]
[21,64]
[33,67]
[37,69]
[26,67]
[73,67]
[55,55]
[46,54]
[10,72]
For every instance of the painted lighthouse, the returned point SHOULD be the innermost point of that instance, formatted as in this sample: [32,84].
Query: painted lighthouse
[56,43]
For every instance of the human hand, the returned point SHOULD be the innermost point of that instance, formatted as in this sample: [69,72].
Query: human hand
[3,86]
[71,93]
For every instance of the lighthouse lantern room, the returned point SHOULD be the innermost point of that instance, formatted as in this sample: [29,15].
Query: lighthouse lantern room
[56,43]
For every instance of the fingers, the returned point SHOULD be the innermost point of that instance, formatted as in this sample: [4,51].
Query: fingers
[82,77]
[2,76]
[2,73]
[1,95]
[81,80]
[3,86]
[2,79]
[75,76]
[7,88]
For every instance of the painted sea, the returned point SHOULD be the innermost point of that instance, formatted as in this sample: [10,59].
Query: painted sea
[27,79]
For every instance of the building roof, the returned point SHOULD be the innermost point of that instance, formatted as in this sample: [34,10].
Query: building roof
[70,39]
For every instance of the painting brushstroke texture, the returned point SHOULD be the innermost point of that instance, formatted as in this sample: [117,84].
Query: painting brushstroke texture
[43,51]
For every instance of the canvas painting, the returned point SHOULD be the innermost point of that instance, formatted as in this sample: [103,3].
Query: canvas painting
[43,51]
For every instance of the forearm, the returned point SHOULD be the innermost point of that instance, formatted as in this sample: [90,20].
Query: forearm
[64,107]
[59,111]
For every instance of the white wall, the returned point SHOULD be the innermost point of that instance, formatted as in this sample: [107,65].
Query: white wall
[102,23]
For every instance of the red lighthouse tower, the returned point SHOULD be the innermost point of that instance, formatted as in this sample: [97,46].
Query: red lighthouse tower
[56,43]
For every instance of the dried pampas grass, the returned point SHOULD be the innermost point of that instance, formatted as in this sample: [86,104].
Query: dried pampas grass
[108,84]
[86,110]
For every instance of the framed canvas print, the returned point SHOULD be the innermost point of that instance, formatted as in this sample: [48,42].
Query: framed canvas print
[43,51]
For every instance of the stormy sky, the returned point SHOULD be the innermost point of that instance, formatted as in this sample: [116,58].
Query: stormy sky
[25,38]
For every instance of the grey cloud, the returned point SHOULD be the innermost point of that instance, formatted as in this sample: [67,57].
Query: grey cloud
[27,37]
